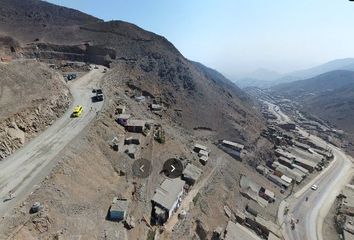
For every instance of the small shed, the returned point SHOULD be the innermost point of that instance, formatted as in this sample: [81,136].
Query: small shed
[118,209]
[156,107]
[191,174]
[198,147]
[136,126]
[121,109]
[203,153]
[122,119]
[203,160]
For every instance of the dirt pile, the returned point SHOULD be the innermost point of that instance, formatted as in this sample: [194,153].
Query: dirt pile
[32,98]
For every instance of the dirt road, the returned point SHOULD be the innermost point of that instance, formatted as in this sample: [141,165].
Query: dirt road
[21,171]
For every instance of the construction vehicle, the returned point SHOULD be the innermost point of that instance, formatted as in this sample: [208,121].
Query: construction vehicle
[77,111]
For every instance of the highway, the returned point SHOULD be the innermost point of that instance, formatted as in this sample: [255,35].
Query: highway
[28,166]
[311,213]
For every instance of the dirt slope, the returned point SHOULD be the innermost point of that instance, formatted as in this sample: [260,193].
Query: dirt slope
[32,97]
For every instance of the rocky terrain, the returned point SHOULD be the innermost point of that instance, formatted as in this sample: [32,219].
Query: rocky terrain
[200,105]
[32,98]
[328,96]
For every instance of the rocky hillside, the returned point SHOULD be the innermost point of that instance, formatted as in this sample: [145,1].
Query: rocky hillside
[195,98]
[329,96]
[32,97]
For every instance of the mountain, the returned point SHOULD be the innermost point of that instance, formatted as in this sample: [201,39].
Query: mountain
[266,81]
[260,78]
[339,64]
[39,30]
[322,83]
[329,96]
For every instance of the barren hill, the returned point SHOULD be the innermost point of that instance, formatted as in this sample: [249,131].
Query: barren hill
[329,96]
[154,65]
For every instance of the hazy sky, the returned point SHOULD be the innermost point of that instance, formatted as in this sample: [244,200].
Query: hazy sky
[241,35]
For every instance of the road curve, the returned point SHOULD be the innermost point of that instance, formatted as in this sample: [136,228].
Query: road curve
[28,166]
[311,213]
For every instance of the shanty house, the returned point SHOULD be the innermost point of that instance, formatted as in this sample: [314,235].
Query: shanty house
[121,109]
[136,126]
[122,119]
[118,209]
[166,199]
[191,174]
[232,148]
[198,147]
[155,107]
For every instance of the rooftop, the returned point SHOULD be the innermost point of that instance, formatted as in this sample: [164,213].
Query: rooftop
[123,116]
[233,144]
[119,205]
[199,146]
[236,231]
[192,172]
[167,194]
[135,122]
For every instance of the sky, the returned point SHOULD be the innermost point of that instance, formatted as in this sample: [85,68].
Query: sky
[239,36]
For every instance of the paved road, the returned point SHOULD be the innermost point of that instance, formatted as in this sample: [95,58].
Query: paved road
[311,213]
[27,167]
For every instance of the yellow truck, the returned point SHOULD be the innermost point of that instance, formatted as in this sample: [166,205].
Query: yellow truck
[77,111]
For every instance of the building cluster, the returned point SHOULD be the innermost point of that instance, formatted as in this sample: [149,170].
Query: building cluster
[345,213]
[296,156]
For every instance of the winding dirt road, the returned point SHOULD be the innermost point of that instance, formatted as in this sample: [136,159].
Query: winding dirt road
[20,172]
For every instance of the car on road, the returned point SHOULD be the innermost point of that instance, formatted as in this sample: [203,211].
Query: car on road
[314,187]
[77,111]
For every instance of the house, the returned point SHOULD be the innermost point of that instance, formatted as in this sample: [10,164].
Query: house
[203,160]
[198,147]
[295,174]
[301,169]
[118,209]
[166,199]
[232,148]
[267,194]
[156,107]
[262,170]
[203,153]
[139,98]
[236,231]
[277,180]
[122,119]
[232,145]
[137,126]
[121,109]
[267,226]
[286,179]
[191,174]
[286,162]
[281,153]
[132,140]
[307,164]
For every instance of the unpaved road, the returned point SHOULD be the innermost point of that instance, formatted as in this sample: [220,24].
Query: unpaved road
[28,166]
[282,118]
[311,213]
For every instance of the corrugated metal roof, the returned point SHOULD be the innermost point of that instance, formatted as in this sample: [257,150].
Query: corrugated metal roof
[167,194]
[233,144]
